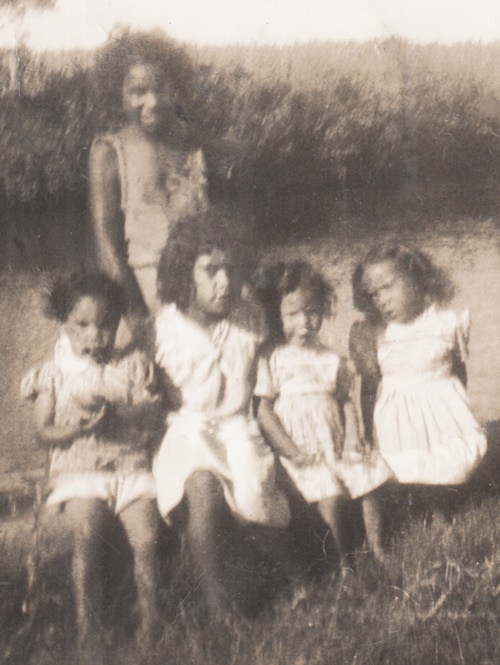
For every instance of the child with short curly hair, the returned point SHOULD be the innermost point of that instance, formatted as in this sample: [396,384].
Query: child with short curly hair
[92,410]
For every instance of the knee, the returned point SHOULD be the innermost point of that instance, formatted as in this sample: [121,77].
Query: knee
[203,489]
[87,519]
[144,541]
[207,511]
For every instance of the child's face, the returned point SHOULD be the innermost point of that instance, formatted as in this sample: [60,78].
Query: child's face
[213,285]
[301,318]
[148,101]
[91,329]
[394,296]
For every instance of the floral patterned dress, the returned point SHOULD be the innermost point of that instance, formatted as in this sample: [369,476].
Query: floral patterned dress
[303,382]
[113,462]
[158,187]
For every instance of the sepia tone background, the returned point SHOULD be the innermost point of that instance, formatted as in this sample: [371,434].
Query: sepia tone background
[333,146]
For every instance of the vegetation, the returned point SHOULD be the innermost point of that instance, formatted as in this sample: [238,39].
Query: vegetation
[357,122]
[444,610]
[373,116]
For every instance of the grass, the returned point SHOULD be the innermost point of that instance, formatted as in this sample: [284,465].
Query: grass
[322,115]
[444,611]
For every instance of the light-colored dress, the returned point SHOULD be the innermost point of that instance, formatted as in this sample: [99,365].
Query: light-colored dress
[423,423]
[213,429]
[158,187]
[111,463]
[303,384]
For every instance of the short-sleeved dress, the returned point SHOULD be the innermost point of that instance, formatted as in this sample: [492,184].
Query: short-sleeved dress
[303,382]
[112,463]
[423,423]
[158,188]
[213,430]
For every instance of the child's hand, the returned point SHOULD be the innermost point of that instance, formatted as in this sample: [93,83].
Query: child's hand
[365,447]
[298,458]
[62,435]
[88,425]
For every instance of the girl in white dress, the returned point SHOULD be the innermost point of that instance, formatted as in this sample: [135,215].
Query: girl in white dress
[207,341]
[304,407]
[93,408]
[411,351]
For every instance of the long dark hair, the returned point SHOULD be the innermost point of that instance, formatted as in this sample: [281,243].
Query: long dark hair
[193,236]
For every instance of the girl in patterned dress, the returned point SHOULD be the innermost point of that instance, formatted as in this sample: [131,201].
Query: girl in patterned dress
[411,350]
[146,169]
[92,407]
[304,407]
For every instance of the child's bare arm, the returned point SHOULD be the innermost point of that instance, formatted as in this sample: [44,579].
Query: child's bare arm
[355,436]
[348,431]
[275,433]
[459,369]
[108,225]
[363,351]
[54,435]
[171,394]
[147,406]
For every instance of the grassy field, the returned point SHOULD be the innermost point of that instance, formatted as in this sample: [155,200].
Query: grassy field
[336,146]
[442,604]
[330,116]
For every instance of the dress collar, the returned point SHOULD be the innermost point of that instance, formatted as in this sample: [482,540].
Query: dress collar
[67,360]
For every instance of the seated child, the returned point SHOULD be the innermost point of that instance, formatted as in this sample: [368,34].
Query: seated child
[91,405]
[207,340]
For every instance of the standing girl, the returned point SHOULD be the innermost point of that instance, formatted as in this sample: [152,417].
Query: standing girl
[91,409]
[207,340]
[411,351]
[304,407]
[146,169]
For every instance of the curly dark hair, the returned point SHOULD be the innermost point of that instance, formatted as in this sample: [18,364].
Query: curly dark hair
[123,51]
[278,280]
[202,233]
[67,290]
[410,263]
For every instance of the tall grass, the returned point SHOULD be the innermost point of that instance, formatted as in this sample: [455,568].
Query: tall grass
[373,115]
[444,610]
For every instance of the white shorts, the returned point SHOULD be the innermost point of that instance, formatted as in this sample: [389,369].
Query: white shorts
[117,491]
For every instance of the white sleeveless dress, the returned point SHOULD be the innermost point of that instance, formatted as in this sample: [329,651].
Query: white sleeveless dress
[423,423]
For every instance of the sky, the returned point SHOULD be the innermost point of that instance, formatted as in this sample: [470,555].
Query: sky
[87,23]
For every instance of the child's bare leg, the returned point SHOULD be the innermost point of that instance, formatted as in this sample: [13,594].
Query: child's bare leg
[140,521]
[334,513]
[87,520]
[206,505]
[373,517]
